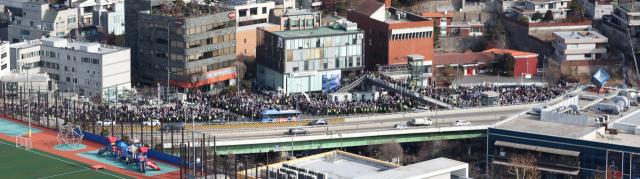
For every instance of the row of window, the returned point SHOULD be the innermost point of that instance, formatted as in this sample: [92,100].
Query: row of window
[299,23]
[328,52]
[53,54]
[315,42]
[252,11]
[346,62]
[198,43]
[188,72]
[190,58]
[190,31]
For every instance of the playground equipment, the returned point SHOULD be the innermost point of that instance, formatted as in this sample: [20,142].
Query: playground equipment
[70,134]
[122,151]
[111,149]
[143,161]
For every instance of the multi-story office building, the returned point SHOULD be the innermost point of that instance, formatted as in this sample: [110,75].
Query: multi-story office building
[91,67]
[41,19]
[296,19]
[579,45]
[111,19]
[86,9]
[309,59]
[558,8]
[249,12]
[392,35]
[5,60]
[199,50]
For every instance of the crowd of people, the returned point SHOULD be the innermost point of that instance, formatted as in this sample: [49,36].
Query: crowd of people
[248,106]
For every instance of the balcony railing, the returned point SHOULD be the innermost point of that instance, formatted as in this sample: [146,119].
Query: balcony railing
[544,161]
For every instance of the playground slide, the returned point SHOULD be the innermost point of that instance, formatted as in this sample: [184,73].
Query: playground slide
[102,150]
[153,165]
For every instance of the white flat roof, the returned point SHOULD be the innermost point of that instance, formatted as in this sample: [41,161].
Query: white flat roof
[580,35]
[77,45]
[424,169]
[254,26]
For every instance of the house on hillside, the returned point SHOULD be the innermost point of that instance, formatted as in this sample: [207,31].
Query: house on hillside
[558,8]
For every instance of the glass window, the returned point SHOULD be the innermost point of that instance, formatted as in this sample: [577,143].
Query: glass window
[326,64]
[327,42]
[306,65]
[311,64]
[295,66]
[574,45]
[350,62]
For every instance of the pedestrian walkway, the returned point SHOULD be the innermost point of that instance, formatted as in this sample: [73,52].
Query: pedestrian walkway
[408,93]
[14,129]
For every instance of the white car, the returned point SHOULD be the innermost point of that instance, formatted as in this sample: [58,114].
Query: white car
[83,99]
[461,123]
[106,123]
[153,122]
[155,101]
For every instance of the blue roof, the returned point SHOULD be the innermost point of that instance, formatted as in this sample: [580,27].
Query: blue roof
[272,111]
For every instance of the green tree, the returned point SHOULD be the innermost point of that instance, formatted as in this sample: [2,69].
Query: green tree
[536,16]
[246,85]
[180,3]
[496,31]
[524,19]
[395,3]
[341,8]
[508,61]
[576,8]
[548,16]
[232,89]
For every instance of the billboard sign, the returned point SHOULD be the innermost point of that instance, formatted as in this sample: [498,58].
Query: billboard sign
[600,78]
[614,163]
[635,166]
[330,80]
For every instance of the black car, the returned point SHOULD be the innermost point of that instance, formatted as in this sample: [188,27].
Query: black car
[217,121]
[319,122]
[174,127]
[294,131]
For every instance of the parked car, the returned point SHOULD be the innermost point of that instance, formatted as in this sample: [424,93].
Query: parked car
[83,99]
[264,91]
[424,121]
[155,101]
[153,122]
[400,126]
[217,121]
[319,122]
[294,131]
[634,103]
[173,127]
[105,123]
[461,123]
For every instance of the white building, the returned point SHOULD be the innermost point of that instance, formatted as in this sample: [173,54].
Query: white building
[97,67]
[86,8]
[249,12]
[112,18]
[5,61]
[41,19]
[300,4]
[559,8]
[579,45]
[594,9]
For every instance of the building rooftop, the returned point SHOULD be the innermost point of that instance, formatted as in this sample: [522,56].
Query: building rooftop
[437,14]
[424,169]
[580,35]
[233,3]
[393,20]
[22,77]
[313,32]
[514,53]
[70,45]
[254,26]
[298,12]
[369,7]
[532,124]
[630,7]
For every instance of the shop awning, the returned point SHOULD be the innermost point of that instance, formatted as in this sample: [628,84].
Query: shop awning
[537,148]
[543,168]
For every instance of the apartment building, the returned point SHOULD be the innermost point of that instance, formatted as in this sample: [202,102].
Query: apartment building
[111,19]
[579,45]
[91,67]
[296,19]
[86,9]
[594,9]
[625,17]
[250,12]
[198,51]
[309,60]
[41,19]
[392,34]
[5,60]
[559,8]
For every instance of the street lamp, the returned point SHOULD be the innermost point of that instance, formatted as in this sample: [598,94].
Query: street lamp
[73,71]
[499,77]
[28,66]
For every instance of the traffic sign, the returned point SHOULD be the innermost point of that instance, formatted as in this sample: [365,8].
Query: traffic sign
[232,15]
[178,22]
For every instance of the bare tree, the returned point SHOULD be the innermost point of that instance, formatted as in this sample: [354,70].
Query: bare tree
[502,42]
[242,69]
[523,167]
[552,71]
[448,75]
[385,151]
[489,172]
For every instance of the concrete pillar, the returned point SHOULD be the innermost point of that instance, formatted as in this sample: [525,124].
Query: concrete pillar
[469,146]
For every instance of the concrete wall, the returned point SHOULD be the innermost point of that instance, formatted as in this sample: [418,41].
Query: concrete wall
[246,43]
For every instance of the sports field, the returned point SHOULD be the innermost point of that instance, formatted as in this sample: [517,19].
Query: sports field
[18,163]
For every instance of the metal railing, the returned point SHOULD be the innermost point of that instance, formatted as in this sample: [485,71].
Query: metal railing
[546,161]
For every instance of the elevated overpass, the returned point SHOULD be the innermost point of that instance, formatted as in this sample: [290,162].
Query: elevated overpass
[407,93]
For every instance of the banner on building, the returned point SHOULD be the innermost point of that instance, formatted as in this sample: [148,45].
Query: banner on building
[614,163]
[330,80]
[600,78]
[635,166]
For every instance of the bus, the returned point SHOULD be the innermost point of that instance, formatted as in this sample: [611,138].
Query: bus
[279,116]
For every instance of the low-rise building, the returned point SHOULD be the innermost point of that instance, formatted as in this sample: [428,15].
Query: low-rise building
[625,17]
[444,20]
[41,19]
[5,60]
[91,68]
[309,59]
[594,9]
[249,12]
[579,45]
[296,19]
[86,10]
[559,8]
[473,63]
